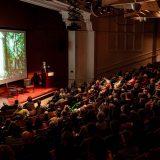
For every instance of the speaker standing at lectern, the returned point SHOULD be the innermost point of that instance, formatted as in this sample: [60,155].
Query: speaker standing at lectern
[43,67]
[44,71]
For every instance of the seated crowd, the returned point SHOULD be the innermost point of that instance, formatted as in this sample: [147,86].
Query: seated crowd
[115,118]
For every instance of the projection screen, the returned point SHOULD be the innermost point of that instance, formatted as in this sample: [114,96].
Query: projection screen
[13,64]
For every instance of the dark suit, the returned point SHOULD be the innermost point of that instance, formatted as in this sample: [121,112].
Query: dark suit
[43,74]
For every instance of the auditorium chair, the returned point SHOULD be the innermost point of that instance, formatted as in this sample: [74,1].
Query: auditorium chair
[13,90]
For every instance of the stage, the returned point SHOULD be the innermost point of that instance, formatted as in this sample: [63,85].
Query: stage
[37,93]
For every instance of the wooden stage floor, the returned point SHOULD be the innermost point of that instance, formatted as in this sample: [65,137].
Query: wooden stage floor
[38,93]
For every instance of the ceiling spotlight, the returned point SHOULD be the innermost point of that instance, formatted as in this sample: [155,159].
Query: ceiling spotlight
[108,9]
[88,1]
[147,11]
[142,19]
[142,13]
[136,6]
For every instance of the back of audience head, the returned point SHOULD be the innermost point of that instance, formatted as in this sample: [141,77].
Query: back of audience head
[14,130]
[6,153]
[29,99]
[91,129]
[27,137]
[16,102]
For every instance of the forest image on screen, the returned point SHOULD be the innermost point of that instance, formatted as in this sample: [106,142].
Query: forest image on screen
[12,56]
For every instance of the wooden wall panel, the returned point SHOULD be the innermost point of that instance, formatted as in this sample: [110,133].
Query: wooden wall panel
[129,45]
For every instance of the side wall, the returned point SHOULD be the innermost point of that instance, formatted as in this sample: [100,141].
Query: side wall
[122,44]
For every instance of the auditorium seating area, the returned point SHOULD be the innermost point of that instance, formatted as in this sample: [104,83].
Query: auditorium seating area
[111,118]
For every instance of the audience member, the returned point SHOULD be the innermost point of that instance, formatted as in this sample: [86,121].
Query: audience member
[20,113]
[6,152]
[29,105]
[116,118]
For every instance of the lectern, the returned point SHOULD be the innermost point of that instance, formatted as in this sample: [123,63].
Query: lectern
[49,79]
